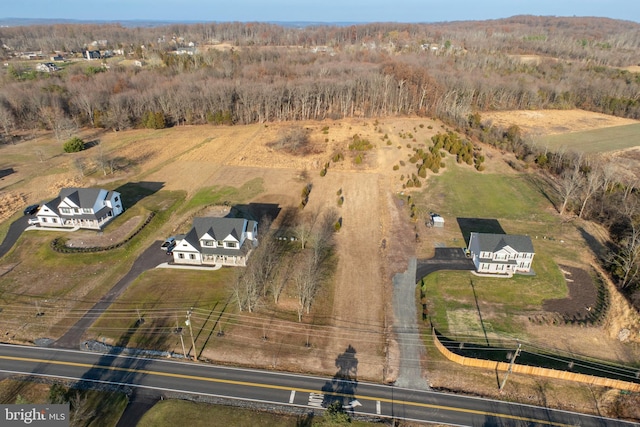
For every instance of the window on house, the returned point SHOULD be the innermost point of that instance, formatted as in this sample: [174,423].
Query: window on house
[181,256]
[231,244]
[116,199]
[65,210]
[207,242]
[220,243]
[192,256]
[87,210]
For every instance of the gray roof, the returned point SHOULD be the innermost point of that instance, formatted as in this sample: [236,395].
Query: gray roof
[82,197]
[218,228]
[490,242]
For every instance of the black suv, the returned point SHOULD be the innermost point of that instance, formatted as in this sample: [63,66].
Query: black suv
[31,209]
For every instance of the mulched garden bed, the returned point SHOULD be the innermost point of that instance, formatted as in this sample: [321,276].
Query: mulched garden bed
[583,302]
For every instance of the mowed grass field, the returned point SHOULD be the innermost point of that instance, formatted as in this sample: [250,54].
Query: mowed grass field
[509,203]
[169,413]
[594,141]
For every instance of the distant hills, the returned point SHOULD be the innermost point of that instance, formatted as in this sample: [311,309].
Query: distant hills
[17,22]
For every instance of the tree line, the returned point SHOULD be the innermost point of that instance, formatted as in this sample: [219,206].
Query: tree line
[272,74]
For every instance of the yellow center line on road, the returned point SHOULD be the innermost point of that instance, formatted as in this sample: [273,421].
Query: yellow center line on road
[277,387]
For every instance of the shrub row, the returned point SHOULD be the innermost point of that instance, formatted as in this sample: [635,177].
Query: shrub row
[59,244]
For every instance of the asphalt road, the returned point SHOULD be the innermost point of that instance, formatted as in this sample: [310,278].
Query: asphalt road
[164,377]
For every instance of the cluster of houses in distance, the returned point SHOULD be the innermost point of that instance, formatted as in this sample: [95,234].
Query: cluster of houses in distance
[214,241]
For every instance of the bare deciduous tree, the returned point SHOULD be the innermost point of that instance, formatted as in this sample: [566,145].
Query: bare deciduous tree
[626,261]
[570,182]
[306,281]
[592,184]
[246,290]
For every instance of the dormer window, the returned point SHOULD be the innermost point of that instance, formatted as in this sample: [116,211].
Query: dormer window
[207,243]
[87,210]
[65,210]
[231,244]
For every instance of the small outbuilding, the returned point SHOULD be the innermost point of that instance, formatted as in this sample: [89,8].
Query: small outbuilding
[437,220]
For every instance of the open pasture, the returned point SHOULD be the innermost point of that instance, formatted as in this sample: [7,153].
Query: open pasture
[595,141]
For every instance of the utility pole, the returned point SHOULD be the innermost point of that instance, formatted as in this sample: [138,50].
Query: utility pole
[193,343]
[513,359]
[179,332]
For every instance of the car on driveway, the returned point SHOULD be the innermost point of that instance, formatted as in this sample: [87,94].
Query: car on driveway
[33,221]
[168,244]
[31,209]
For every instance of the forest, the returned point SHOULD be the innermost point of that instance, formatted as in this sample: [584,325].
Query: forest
[240,73]
[276,73]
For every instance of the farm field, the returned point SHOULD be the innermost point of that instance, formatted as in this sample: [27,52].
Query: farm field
[617,139]
[189,168]
[595,141]
[537,123]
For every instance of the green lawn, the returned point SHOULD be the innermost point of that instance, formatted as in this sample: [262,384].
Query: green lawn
[230,195]
[451,299]
[514,204]
[162,298]
[169,413]
[595,141]
[463,192]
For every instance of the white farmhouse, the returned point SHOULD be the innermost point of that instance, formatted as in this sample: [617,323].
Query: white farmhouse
[88,208]
[217,241]
[501,253]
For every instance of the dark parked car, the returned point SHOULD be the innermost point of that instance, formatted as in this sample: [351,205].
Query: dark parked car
[31,209]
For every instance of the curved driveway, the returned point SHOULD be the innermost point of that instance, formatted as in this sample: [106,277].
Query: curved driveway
[15,230]
[149,259]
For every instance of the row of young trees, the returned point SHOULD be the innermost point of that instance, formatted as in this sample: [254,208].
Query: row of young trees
[295,258]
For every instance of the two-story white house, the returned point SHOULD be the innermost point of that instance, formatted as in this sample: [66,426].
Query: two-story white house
[501,253]
[81,207]
[217,241]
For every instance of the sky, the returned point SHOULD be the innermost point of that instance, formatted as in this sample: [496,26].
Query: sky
[314,10]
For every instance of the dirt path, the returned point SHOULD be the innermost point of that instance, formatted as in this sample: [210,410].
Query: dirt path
[359,292]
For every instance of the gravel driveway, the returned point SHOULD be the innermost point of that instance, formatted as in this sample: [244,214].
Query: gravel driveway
[406,330]
[411,374]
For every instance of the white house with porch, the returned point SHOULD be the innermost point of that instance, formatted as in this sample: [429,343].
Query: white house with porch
[501,253]
[217,241]
[90,208]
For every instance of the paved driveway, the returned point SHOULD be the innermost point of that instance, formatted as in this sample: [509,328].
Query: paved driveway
[149,259]
[15,230]
[444,259]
